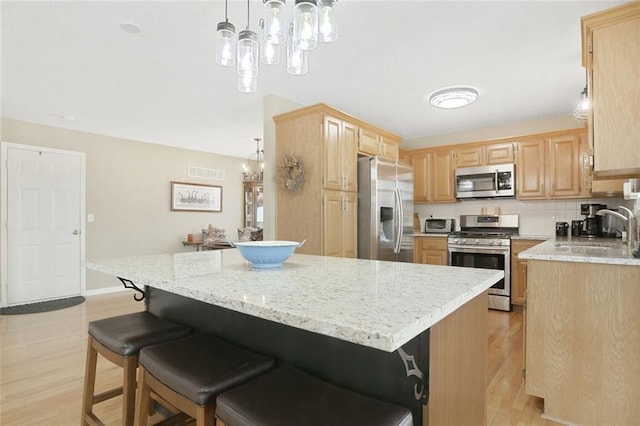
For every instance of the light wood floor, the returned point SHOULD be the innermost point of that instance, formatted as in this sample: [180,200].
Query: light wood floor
[42,360]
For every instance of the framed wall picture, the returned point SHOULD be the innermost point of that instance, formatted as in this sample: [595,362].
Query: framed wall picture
[195,197]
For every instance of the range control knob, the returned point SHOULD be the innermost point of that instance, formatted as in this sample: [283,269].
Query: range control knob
[492,242]
[477,241]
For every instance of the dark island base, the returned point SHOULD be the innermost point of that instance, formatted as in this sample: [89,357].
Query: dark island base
[400,377]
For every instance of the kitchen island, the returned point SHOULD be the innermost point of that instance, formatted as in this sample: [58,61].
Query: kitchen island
[411,334]
[583,330]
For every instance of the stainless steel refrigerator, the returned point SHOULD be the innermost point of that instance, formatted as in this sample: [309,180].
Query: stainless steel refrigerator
[385,210]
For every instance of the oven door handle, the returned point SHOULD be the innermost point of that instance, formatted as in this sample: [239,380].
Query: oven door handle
[495,179]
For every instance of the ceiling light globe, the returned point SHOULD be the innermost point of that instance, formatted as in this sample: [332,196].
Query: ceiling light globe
[305,24]
[327,25]
[453,97]
[275,24]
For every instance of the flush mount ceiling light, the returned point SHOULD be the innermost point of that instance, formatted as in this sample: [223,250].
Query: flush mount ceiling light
[130,27]
[312,21]
[453,97]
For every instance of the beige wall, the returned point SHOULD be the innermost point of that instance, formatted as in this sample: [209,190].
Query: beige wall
[128,191]
[548,124]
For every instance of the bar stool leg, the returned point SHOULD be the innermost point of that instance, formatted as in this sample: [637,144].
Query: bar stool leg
[205,416]
[89,381]
[129,390]
[143,399]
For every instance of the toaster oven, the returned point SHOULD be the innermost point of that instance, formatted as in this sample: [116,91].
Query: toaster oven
[439,226]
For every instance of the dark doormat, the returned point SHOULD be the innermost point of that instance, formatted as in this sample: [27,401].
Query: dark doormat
[50,305]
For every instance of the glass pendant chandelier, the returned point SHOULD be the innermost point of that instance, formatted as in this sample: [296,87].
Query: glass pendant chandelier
[581,113]
[247,65]
[305,24]
[312,21]
[297,59]
[254,172]
[270,52]
[327,25]
[226,42]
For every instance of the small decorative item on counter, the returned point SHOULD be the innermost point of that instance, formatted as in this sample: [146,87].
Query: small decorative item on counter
[189,238]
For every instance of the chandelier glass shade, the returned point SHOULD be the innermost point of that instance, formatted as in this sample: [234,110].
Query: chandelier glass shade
[581,113]
[313,21]
[254,171]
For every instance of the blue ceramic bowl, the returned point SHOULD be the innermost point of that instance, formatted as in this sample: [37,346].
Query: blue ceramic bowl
[266,254]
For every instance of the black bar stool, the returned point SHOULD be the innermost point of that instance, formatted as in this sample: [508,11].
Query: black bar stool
[190,373]
[119,339]
[287,396]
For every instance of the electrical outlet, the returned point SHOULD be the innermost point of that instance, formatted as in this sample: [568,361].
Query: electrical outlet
[90,218]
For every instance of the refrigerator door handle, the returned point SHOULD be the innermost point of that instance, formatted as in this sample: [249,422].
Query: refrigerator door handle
[399,219]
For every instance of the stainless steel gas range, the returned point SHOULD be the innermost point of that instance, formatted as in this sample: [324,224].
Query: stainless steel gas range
[484,241]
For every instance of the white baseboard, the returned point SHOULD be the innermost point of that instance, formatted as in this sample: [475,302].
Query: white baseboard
[104,290]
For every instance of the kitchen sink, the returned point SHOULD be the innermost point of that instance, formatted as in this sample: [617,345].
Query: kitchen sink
[594,248]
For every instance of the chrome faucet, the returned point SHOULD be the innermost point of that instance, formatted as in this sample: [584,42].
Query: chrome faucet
[630,221]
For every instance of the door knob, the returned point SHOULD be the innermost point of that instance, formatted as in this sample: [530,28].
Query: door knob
[76,232]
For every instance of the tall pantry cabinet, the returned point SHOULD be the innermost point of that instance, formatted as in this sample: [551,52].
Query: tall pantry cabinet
[323,211]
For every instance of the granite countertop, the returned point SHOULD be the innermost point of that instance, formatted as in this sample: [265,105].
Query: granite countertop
[583,250]
[377,304]
[530,237]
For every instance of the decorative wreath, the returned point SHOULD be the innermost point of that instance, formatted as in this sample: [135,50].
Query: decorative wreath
[291,173]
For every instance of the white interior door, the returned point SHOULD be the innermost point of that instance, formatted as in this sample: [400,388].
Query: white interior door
[44,224]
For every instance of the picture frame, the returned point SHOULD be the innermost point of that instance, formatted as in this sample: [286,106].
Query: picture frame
[195,197]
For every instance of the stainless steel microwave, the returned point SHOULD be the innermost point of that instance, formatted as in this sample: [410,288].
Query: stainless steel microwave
[497,180]
[439,226]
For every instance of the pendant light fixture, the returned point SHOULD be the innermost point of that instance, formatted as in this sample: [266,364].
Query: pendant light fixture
[312,21]
[305,24]
[254,172]
[275,28]
[270,52]
[247,65]
[226,42]
[581,113]
[297,59]
[327,25]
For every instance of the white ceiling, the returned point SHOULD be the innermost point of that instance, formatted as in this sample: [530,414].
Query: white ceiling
[162,85]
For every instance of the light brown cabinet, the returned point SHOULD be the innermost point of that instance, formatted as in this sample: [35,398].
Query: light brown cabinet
[519,270]
[552,166]
[340,223]
[340,154]
[431,250]
[375,144]
[442,176]
[611,54]
[485,154]
[323,211]
[433,176]
[530,161]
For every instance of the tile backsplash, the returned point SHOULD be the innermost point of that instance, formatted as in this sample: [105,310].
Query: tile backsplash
[536,217]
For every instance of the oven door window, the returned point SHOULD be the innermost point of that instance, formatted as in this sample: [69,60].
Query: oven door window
[481,260]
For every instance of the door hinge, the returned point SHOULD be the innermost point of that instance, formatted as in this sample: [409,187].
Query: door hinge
[524,306]
[524,373]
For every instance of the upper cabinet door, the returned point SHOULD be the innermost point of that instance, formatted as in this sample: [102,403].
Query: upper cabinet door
[442,176]
[530,169]
[500,153]
[332,158]
[564,166]
[368,142]
[612,55]
[421,169]
[469,157]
